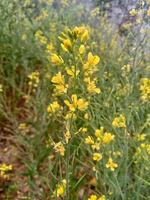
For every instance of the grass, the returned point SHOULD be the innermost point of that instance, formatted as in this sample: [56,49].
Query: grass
[74,103]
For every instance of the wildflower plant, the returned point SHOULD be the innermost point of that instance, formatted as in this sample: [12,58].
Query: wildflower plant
[74,95]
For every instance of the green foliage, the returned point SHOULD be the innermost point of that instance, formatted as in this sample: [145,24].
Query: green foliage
[33,50]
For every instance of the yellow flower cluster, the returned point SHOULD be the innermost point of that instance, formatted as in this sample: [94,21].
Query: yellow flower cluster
[72,72]
[82,49]
[91,86]
[94,197]
[66,44]
[40,37]
[102,138]
[76,103]
[95,12]
[23,128]
[68,99]
[43,15]
[90,65]
[141,137]
[34,79]
[56,60]
[119,122]
[59,147]
[142,152]
[4,170]
[49,48]
[145,89]
[112,165]
[126,69]
[97,156]
[54,107]
[59,82]
[67,136]
[133,12]
[82,33]
[60,189]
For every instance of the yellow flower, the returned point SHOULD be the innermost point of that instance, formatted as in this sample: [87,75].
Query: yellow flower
[107,138]
[66,45]
[84,130]
[126,69]
[42,16]
[59,147]
[53,107]
[96,146]
[34,79]
[82,32]
[40,37]
[67,136]
[49,48]
[24,37]
[60,189]
[92,61]
[72,72]
[145,89]
[85,36]
[86,116]
[148,12]
[58,79]
[148,148]
[81,130]
[112,165]
[91,87]
[119,122]
[79,30]
[102,198]
[117,153]
[97,156]
[5,168]
[70,116]
[4,171]
[95,12]
[133,12]
[82,49]
[138,20]
[92,197]
[89,140]
[76,103]
[23,128]
[126,26]
[141,137]
[34,76]
[99,132]
[56,60]
[60,89]
[143,145]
